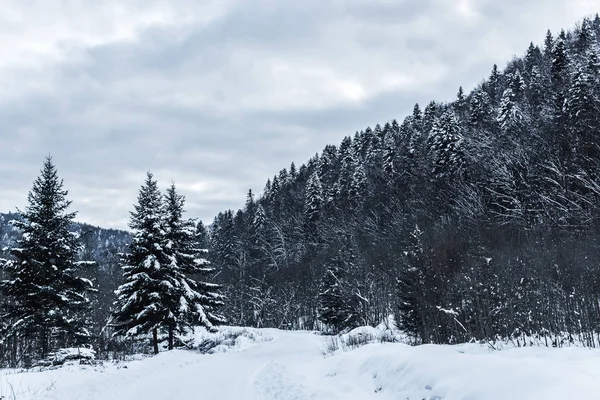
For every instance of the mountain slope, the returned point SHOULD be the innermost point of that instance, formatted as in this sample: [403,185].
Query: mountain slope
[472,219]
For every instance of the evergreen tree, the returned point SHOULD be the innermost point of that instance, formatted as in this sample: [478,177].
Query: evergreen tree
[202,237]
[493,84]
[389,155]
[548,46]
[339,303]
[44,294]
[358,187]
[313,202]
[191,302]
[142,303]
[510,116]
[481,109]
[460,104]
[536,90]
[445,145]
[411,310]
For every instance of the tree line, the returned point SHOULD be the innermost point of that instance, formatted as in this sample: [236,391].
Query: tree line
[475,219]
[49,303]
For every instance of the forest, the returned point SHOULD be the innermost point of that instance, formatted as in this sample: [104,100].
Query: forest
[471,220]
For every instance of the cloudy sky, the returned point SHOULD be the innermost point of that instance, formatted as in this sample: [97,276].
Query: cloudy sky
[219,95]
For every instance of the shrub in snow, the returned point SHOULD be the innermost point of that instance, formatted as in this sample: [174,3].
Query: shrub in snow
[362,336]
[227,338]
[61,356]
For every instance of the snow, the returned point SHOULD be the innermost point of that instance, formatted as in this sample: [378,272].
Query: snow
[270,364]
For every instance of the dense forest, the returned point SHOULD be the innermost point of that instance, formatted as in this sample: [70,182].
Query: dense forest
[474,219]
[477,219]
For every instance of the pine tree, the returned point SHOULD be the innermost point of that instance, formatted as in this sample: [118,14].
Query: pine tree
[536,89]
[548,46]
[559,75]
[533,59]
[313,202]
[582,107]
[481,109]
[493,84]
[429,116]
[202,237]
[259,225]
[44,293]
[142,303]
[445,146]
[358,187]
[517,84]
[389,155]
[510,116]
[585,36]
[460,104]
[411,310]
[339,303]
[190,302]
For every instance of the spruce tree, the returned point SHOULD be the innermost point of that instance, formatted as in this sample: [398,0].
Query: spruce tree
[411,309]
[481,109]
[142,302]
[339,303]
[445,145]
[190,302]
[313,202]
[44,294]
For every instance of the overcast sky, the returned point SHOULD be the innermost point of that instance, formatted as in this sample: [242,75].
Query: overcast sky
[219,96]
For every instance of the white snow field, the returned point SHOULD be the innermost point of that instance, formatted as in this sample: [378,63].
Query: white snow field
[292,366]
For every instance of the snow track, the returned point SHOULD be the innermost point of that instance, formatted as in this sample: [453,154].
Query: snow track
[292,367]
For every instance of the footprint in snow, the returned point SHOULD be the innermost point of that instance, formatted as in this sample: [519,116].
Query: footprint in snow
[274,382]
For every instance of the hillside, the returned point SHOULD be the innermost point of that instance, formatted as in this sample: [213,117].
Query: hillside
[473,219]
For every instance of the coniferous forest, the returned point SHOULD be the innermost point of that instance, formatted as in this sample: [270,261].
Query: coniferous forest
[477,219]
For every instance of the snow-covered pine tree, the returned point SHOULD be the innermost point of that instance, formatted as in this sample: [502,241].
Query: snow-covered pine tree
[141,304]
[445,145]
[389,155]
[493,84]
[339,304]
[411,310]
[480,108]
[312,202]
[202,237]
[510,116]
[44,293]
[190,302]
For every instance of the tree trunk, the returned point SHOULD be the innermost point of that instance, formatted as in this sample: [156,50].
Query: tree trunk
[171,338]
[155,340]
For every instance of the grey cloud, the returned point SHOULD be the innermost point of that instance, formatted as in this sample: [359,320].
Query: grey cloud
[220,105]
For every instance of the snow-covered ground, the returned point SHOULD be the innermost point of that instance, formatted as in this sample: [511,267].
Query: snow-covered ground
[270,364]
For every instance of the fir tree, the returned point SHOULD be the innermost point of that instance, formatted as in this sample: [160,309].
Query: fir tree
[510,116]
[44,293]
[493,84]
[445,145]
[389,155]
[142,304]
[313,202]
[191,302]
[410,311]
[548,46]
[339,303]
[481,109]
